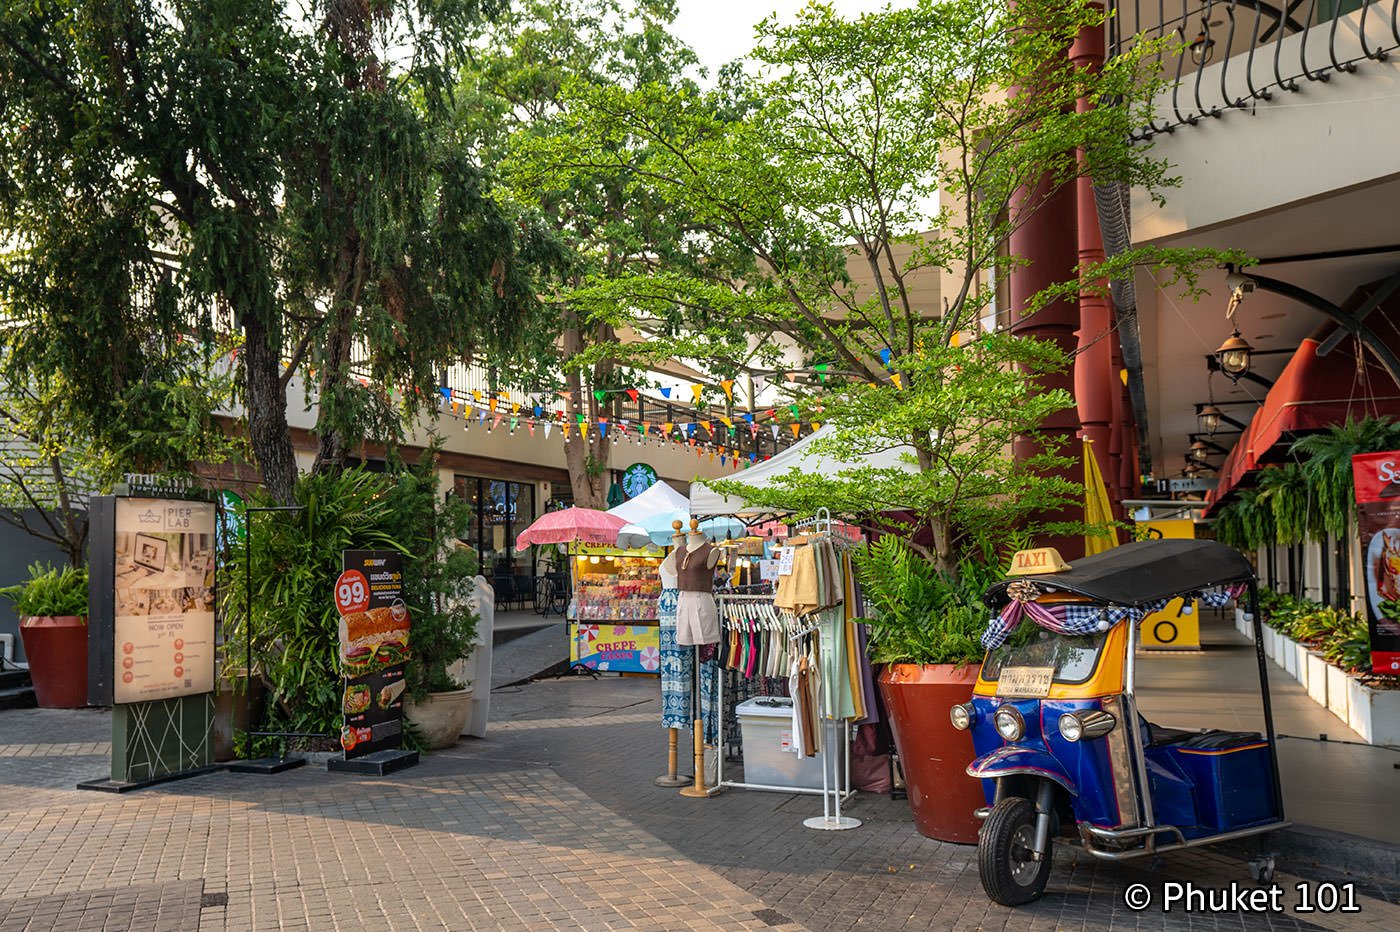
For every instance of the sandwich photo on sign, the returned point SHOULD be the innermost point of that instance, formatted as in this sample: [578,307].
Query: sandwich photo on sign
[374,639]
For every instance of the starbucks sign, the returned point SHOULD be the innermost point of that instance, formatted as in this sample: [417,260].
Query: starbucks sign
[637,478]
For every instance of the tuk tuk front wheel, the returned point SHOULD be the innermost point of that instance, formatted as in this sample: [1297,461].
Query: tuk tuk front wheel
[1010,873]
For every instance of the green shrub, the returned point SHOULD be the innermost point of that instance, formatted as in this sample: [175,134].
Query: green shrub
[295,559]
[50,592]
[919,615]
[437,576]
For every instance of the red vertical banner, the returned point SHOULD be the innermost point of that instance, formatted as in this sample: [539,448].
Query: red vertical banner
[1376,477]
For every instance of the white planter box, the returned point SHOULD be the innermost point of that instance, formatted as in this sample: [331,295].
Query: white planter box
[1300,664]
[1337,692]
[1289,649]
[1269,636]
[1374,714]
[1281,648]
[1317,678]
[1242,622]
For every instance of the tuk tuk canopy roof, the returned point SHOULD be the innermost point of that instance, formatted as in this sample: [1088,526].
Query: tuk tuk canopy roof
[1141,572]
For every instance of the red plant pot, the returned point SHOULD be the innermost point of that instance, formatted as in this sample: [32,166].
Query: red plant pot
[56,648]
[933,754]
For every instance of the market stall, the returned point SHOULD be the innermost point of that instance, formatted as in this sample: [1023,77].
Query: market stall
[613,615]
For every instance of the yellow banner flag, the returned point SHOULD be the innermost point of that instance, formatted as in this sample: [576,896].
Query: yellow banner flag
[1098,510]
[816,427]
[696,390]
[515,408]
[898,380]
[666,428]
[728,386]
[796,429]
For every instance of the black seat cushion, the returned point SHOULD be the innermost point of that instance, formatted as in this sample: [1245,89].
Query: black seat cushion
[1157,735]
[1218,740]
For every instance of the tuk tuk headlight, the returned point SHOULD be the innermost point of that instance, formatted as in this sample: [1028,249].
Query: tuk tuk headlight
[961,714]
[1009,723]
[1091,723]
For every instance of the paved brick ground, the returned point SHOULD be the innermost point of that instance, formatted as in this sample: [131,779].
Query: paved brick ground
[550,822]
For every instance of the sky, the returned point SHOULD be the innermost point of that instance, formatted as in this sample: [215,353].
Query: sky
[722,30]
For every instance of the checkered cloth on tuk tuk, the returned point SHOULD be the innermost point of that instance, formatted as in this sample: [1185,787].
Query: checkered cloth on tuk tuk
[1079,618]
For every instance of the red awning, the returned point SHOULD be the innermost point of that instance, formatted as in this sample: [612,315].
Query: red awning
[1313,392]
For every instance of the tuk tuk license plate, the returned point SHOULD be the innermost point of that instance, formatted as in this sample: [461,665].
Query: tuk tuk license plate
[1025,682]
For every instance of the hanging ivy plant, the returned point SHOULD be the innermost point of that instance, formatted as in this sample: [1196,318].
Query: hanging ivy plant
[1288,496]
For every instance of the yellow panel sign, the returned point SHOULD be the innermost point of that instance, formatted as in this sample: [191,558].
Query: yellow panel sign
[1169,629]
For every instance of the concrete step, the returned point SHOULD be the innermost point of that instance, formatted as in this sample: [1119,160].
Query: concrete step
[18,697]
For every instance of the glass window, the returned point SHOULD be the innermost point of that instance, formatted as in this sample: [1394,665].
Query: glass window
[1074,657]
[500,511]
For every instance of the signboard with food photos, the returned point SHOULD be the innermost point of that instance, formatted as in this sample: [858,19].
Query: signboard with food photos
[374,648]
[1376,477]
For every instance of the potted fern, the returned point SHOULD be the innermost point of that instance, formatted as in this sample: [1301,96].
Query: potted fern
[53,606]
[925,628]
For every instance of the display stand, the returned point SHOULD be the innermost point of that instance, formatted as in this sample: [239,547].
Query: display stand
[671,777]
[698,790]
[836,732]
[840,786]
[263,766]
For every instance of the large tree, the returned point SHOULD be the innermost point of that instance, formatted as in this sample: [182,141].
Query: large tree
[286,173]
[907,143]
[526,64]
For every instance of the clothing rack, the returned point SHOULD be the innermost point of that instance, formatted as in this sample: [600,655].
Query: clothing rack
[831,782]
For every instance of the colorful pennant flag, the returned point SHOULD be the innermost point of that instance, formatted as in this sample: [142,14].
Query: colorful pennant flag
[728,386]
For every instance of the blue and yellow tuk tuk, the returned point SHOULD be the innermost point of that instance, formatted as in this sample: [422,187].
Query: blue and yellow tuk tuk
[1061,747]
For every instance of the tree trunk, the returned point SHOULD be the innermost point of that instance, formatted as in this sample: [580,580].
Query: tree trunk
[268,432]
[332,444]
[576,453]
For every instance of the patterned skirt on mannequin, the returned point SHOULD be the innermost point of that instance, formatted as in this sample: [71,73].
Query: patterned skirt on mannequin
[676,664]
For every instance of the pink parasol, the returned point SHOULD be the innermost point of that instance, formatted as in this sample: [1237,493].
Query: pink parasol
[586,525]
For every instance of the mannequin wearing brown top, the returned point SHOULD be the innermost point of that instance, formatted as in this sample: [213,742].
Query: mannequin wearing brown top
[693,562]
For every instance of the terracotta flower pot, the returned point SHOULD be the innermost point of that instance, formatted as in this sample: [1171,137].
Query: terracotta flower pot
[934,754]
[56,648]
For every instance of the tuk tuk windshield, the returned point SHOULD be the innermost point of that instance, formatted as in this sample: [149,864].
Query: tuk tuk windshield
[1073,657]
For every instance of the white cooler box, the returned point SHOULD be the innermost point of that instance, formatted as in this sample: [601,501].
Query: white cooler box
[770,758]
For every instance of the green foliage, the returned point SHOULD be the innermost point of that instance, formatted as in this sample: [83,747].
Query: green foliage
[1247,523]
[956,416]
[1309,498]
[294,561]
[1289,498]
[885,143]
[437,577]
[513,100]
[1327,467]
[919,614]
[50,592]
[177,181]
[1342,637]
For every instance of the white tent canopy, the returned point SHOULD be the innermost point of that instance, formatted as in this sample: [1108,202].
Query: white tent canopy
[660,498]
[705,501]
